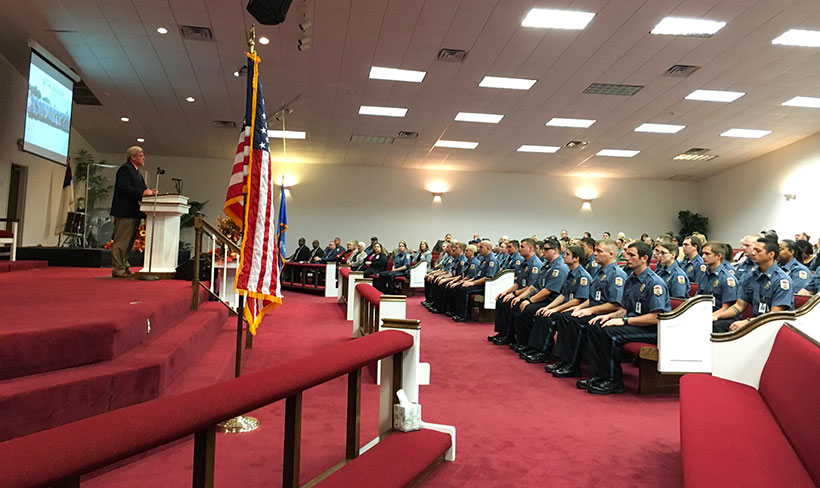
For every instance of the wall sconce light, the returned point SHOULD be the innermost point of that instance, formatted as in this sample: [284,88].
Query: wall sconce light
[437,188]
[436,197]
[790,196]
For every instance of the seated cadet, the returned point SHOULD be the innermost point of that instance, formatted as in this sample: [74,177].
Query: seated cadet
[767,288]
[539,249]
[745,264]
[575,291]
[460,265]
[473,263]
[590,265]
[605,296]
[443,255]
[718,280]
[501,255]
[423,254]
[812,286]
[488,269]
[443,265]
[790,260]
[401,267]
[525,276]
[645,296]
[677,283]
[514,259]
[540,294]
[692,263]
[808,254]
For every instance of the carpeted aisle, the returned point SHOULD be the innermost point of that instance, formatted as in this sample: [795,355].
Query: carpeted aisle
[516,424]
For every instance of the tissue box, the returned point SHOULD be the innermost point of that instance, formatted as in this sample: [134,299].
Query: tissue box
[407,418]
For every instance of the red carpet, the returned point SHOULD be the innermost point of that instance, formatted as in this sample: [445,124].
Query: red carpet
[515,424]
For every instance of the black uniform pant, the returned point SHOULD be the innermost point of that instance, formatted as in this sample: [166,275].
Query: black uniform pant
[603,348]
[438,295]
[503,312]
[428,285]
[461,302]
[542,336]
[450,296]
[524,320]
[571,336]
[387,282]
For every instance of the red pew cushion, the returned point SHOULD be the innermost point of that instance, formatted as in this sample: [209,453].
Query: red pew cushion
[345,272]
[369,293]
[800,300]
[6,233]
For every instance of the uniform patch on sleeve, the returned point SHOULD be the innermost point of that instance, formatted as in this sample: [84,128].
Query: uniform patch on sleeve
[784,284]
[681,279]
[584,281]
[657,290]
[472,266]
[619,281]
[534,270]
[518,262]
[703,268]
[730,281]
[492,264]
[802,274]
[555,272]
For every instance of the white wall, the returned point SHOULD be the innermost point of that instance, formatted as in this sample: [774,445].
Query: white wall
[357,202]
[749,197]
[44,178]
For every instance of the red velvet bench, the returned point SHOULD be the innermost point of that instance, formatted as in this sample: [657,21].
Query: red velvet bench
[735,435]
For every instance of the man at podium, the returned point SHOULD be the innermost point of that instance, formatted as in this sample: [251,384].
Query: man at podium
[129,189]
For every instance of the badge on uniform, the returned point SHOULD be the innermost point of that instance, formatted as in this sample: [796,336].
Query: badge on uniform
[583,282]
[716,283]
[690,268]
[657,290]
[618,281]
[492,264]
[803,275]
[472,266]
[703,268]
[603,277]
[730,281]
[784,284]
[518,262]
[767,285]
[681,279]
[555,272]
[534,270]
[643,286]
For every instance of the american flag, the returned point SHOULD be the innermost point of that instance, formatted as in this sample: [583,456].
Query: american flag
[258,275]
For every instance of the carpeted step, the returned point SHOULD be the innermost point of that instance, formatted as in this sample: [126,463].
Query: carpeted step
[37,402]
[8,266]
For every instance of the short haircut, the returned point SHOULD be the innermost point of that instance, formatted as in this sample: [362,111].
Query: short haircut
[473,248]
[644,251]
[132,151]
[514,243]
[769,234]
[695,240]
[669,246]
[577,252]
[609,244]
[461,245]
[529,241]
[589,241]
[717,248]
[553,243]
[539,244]
[770,245]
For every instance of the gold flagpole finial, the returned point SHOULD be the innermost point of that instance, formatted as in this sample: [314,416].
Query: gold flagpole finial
[252,39]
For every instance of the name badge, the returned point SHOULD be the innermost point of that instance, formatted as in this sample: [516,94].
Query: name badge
[638,307]
[571,296]
[763,308]
[713,301]
[598,295]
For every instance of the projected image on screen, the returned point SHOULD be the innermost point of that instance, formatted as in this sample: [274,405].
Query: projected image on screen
[48,111]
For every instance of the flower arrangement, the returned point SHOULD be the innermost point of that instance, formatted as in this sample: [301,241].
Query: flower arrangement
[139,242]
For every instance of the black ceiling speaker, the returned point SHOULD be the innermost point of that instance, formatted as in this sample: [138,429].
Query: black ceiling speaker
[269,12]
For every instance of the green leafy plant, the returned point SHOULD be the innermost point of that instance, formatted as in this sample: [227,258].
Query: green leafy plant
[692,222]
[98,189]
[187,221]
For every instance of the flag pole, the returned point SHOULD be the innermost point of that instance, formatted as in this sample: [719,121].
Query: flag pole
[241,423]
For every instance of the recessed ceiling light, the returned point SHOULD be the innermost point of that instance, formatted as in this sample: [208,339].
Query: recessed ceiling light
[810,102]
[162,30]
[124,119]
[394,74]
[475,117]
[190,99]
[798,37]
[264,40]
[660,128]
[538,149]
[617,153]
[383,111]
[456,144]
[714,95]
[746,133]
[557,19]
[140,139]
[508,83]
[286,134]
[559,122]
[680,26]
[236,74]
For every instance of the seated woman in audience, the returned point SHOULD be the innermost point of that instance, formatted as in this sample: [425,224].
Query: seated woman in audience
[356,259]
[791,260]
[809,258]
[343,256]
[423,254]
[375,262]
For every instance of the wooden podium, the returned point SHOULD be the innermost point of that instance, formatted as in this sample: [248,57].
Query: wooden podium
[164,227]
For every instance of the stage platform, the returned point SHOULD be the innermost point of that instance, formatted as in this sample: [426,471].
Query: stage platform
[76,342]
[8,266]
[80,257]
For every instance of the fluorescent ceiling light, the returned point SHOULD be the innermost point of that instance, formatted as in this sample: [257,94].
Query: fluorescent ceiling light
[509,83]
[680,26]
[810,102]
[557,19]
[483,118]
[456,144]
[798,37]
[660,128]
[714,95]
[286,134]
[384,111]
[559,122]
[746,133]
[617,153]
[538,149]
[394,74]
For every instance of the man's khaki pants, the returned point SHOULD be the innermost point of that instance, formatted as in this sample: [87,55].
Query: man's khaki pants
[125,231]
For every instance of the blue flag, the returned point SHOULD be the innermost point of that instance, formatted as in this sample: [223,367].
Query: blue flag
[283,226]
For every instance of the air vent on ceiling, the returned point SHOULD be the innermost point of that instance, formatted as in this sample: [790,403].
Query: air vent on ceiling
[681,70]
[224,124]
[196,33]
[697,150]
[83,95]
[406,134]
[610,89]
[576,144]
[372,139]
[452,55]
[680,178]
[696,154]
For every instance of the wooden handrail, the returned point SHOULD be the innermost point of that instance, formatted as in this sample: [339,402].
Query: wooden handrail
[808,306]
[683,307]
[201,224]
[92,443]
